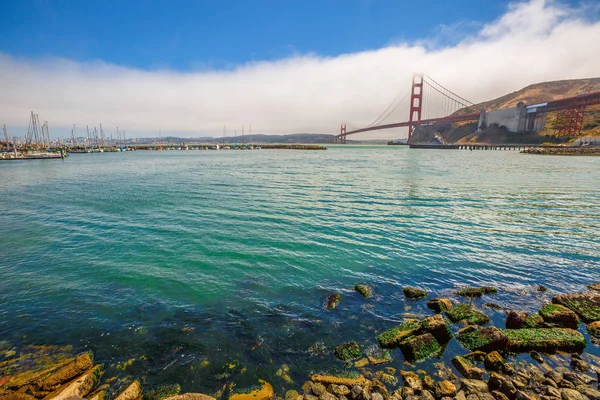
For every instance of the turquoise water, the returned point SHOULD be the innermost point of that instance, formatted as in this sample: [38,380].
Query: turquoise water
[182,257]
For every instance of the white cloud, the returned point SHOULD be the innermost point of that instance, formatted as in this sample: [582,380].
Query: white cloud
[533,41]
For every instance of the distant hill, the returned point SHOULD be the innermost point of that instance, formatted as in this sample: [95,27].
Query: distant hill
[532,94]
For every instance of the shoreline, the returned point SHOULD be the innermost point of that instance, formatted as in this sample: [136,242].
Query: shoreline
[539,355]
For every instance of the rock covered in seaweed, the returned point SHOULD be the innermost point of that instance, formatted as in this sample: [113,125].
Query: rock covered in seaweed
[419,347]
[544,340]
[347,351]
[465,312]
[437,326]
[516,319]
[333,300]
[559,316]
[364,290]
[414,293]
[485,339]
[476,291]
[392,337]
[586,305]
[263,392]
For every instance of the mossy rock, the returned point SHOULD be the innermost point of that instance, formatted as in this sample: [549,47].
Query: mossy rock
[466,369]
[476,291]
[161,392]
[413,293]
[519,320]
[586,305]
[263,392]
[438,327]
[484,339]
[392,337]
[465,312]
[364,290]
[348,351]
[439,305]
[544,340]
[559,316]
[419,347]
[593,329]
[333,300]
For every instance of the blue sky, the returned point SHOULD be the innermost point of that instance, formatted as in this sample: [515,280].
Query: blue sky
[189,67]
[200,34]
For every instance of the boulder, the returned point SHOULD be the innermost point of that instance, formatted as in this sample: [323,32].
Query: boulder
[544,340]
[419,347]
[594,286]
[81,364]
[347,351]
[593,329]
[466,368]
[571,394]
[318,389]
[465,312]
[412,381]
[474,386]
[484,339]
[445,388]
[518,320]
[494,362]
[559,316]
[437,326]
[333,300]
[589,392]
[382,357]
[327,396]
[364,290]
[338,390]
[350,382]
[585,305]
[413,293]
[542,288]
[578,364]
[82,385]
[439,305]
[134,392]
[392,337]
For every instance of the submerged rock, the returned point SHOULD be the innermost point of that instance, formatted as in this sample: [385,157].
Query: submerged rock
[392,337]
[347,351]
[559,316]
[81,364]
[586,305]
[162,392]
[544,340]
[476,291]
[465,312]
[439,305]
[333,300]
[542,288]
[419,347]
[329,379]
[364,290]
[191,396]
[413,293]
[484,339]
[264,392]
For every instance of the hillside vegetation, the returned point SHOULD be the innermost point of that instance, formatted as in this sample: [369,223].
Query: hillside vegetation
[532,94]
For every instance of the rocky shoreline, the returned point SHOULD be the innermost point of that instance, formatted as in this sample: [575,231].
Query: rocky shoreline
[564,151]
[553,364]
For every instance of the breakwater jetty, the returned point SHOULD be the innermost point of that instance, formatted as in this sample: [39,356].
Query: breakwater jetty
[564,151]
[474,146]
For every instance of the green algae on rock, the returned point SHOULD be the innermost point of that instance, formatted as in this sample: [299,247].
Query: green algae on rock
[347,351]
[516,319]
[484,339]
[413,293]
[392,337]
[467,369]
[593,329]
[437,326]
[419,347]
[333,300]
[559,316]
[544,340]
[465,312]
[364,290]
[161,392]
[586,305]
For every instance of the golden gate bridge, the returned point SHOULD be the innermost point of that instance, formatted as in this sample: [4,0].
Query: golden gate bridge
[431,103]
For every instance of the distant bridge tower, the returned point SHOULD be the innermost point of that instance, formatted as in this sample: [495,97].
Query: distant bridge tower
[343,134]
[416,102]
